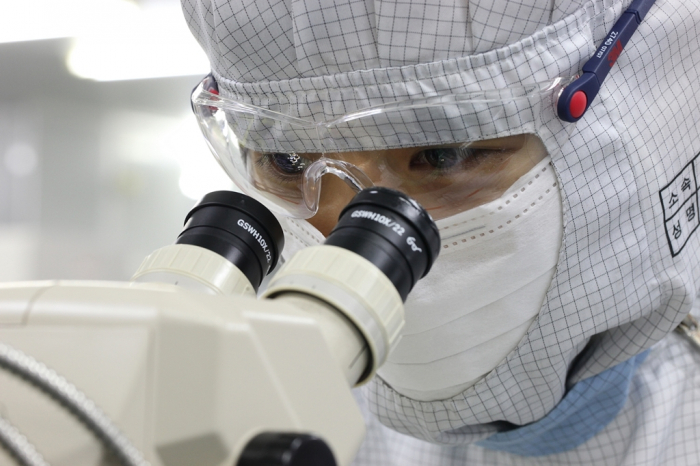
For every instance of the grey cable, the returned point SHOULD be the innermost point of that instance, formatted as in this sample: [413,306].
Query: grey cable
[75,401]
[18,446]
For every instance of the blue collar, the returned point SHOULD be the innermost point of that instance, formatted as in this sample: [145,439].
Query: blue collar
[583,412]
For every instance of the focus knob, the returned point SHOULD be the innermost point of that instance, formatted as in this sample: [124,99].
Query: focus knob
[284,449]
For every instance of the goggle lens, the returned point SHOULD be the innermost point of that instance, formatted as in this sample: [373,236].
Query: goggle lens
[414,146]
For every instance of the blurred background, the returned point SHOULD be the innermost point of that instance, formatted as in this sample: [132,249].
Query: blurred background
[100,155]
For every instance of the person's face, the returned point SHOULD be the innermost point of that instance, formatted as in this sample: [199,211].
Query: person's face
[445,179]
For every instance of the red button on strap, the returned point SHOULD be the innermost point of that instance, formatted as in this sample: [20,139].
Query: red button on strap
[578,104]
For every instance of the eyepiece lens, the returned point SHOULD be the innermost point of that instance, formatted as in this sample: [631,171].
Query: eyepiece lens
[392,231]
[238,228]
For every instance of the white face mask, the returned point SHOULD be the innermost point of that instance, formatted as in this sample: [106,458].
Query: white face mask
[483,292]
[481,295]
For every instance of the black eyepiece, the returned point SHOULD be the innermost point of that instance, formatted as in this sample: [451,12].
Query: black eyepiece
[238,228]
[392,231]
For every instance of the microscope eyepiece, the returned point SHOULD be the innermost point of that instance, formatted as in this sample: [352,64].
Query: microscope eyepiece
[392,231]
[238,228]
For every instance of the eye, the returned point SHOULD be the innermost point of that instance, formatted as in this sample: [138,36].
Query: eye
[441,158]
[289,164]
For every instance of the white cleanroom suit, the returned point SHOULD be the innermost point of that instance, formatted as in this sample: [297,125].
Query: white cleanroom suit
[609,259]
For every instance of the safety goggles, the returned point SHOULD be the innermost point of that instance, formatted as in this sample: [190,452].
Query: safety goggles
[437,150]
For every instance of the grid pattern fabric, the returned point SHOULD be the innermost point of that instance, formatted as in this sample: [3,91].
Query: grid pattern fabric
[622,283]
[585,410]
[274,40]
[658,426]
[322,97]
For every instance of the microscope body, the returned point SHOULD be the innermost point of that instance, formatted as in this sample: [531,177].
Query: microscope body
[189,377]
[184,365]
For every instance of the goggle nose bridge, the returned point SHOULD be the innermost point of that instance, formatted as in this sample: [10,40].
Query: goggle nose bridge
[352,175]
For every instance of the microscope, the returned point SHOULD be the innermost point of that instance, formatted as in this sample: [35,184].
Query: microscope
[186,365]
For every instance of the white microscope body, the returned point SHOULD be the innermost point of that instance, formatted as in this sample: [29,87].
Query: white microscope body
[191,366]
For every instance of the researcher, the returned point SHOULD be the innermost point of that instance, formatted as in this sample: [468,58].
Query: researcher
[547,331]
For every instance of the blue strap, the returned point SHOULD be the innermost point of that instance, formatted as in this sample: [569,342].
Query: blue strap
[577,96]
[583,412]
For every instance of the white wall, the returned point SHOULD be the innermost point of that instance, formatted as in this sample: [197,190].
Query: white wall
[91,172]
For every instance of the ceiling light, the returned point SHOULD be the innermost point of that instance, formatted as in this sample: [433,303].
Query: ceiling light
[139,43]
[50,19]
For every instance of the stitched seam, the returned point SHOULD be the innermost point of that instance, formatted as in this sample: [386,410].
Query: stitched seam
[463,64]
[499,227]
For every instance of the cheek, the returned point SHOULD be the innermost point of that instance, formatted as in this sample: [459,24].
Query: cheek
[531,154]
[323,222]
